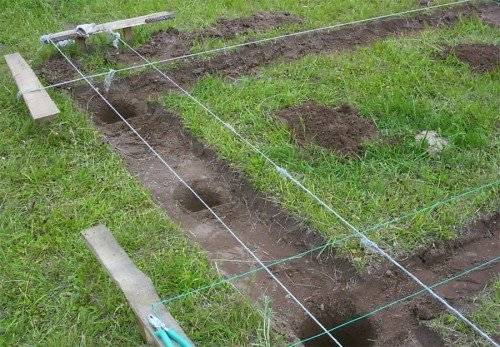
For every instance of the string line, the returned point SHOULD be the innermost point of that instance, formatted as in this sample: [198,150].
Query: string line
[363,238]
[400,300]
[365,241]
[257,259]
[322,247]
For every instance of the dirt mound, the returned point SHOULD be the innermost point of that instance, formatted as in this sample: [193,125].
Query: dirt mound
[165,44]
[492,17]
[56,69]
[340,129]
[481,57]
[172,42]
[229,28]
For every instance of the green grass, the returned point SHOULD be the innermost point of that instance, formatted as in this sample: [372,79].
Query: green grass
[58,179]
[485,313]
[404,88]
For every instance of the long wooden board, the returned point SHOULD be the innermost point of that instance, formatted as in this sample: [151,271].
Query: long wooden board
[136,286]
[116,25]
[39,102]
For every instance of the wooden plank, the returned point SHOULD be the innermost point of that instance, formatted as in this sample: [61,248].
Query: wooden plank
[116,25]
[136,286]
[39,103]
[132,22]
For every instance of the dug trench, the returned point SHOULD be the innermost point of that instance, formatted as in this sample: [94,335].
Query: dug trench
[248,59]
[480,57]
[328,284]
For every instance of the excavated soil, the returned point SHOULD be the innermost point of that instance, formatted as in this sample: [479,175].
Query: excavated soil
[249,59]
[229,28]
[172,42]
[327,284]
[340,129]
[492,17]
[480,57]
[56,69]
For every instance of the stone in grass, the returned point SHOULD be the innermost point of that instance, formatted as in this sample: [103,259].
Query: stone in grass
[435,142]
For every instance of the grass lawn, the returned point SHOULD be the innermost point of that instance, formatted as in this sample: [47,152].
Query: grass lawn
[405,88]
[58,179]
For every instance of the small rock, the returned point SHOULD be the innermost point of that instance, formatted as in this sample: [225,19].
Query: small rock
[435,142]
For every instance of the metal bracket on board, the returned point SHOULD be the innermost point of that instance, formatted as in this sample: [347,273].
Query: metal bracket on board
[83,31]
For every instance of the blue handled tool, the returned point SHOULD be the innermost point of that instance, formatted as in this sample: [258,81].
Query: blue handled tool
[167,336]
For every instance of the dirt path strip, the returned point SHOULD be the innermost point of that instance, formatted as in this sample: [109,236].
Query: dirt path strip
[249,59]
[174,43]
[363,238]
[403,299]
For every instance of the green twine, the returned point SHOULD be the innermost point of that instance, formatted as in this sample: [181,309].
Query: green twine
[323,247]
[395,302]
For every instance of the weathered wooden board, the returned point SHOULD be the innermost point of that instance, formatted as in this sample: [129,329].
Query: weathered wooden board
[136,286]
[39,103]
[112,26]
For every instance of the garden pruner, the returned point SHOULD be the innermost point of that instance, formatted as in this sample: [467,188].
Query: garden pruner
[167,336]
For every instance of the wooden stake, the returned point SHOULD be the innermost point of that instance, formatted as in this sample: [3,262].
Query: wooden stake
[136,286]
[81,42]
[111,26]
[127,34]
[39,103]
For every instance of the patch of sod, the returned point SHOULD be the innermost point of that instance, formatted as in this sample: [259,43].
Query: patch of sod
[404,87]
